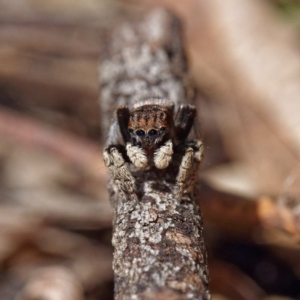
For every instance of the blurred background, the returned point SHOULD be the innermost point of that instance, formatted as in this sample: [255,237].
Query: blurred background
[55,216]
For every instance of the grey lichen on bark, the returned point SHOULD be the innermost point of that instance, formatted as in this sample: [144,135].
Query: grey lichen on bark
[159,251]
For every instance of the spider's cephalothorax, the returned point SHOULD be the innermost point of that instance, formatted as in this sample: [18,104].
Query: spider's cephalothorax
[150,125]
[150,133]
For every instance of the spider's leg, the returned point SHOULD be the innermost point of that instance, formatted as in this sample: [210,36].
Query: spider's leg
[184,121]
[163,155]
[198,157]
[123,115]
[114,160]
[189,166]
[137,155]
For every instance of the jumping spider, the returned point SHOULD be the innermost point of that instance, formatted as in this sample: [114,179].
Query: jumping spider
[147,136]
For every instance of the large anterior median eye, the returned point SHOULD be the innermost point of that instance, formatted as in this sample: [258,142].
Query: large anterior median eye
[130,130]
[152,132]
[140,132]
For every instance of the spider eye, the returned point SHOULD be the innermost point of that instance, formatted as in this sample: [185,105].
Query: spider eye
[162,129]
[140,132]
[130,130]
[152,132]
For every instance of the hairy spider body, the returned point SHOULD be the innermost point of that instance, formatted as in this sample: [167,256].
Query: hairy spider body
[149,126]
[147,135]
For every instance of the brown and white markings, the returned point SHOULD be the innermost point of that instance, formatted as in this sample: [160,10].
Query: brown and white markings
[149,135]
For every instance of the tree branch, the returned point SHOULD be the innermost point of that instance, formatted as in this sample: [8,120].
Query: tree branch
[159,248]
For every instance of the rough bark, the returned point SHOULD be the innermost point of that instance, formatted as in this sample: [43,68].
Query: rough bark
[159,248]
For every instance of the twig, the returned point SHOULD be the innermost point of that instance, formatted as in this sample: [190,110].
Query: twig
[159,248]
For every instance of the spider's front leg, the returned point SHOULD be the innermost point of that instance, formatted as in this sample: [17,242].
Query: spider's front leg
[189,166]
[114,160]
[193,150]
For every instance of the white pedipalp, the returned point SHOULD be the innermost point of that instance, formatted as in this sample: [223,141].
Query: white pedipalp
[137,156]
[163,155]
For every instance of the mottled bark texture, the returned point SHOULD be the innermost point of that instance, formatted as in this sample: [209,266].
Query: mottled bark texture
[159,248]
